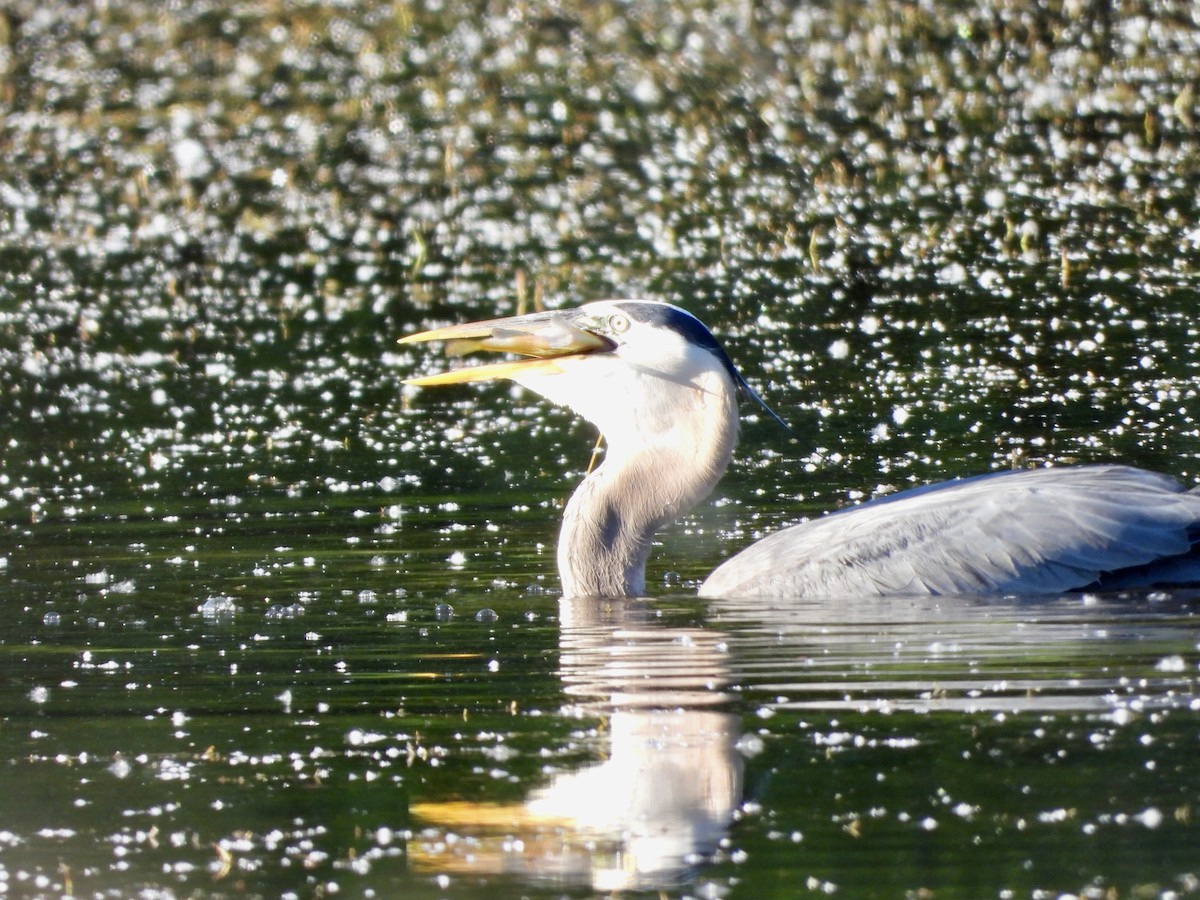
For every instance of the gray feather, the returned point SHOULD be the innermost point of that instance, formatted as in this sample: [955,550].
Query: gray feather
[1042,530]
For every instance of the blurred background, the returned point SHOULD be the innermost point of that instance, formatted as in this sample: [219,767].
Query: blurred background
[938,237]
[958,229]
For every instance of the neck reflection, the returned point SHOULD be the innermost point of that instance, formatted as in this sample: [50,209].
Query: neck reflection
[661,799]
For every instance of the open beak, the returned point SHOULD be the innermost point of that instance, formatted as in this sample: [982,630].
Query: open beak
[541,338]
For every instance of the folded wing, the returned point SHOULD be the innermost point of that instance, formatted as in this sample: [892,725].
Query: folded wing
[1031,531]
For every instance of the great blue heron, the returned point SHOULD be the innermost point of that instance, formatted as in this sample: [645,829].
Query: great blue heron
[664,394]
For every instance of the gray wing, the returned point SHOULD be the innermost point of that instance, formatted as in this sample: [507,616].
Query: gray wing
[1033,531]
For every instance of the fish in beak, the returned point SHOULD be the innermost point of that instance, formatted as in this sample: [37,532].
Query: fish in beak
[541,338]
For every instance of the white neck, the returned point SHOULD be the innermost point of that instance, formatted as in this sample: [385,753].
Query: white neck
[664,457]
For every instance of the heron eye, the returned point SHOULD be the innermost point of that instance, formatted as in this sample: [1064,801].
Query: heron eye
[618,324]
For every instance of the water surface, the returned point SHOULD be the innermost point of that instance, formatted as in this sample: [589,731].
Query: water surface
[274,625]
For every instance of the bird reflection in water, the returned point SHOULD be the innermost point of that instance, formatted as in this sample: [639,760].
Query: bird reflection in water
[659,804]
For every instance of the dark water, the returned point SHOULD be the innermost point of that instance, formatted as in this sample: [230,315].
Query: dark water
[274,625]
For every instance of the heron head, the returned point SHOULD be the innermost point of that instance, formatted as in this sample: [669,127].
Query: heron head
[593,357]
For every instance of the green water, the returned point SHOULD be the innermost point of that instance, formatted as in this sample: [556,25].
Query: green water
[273,625]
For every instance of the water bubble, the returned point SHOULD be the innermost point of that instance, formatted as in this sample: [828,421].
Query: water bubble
[750,745]
[191,159]
[443,612]
[954,273]
[218,607]
[52,619]
[1151,817]
[487,615]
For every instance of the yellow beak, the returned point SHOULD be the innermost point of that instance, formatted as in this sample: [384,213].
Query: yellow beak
[542,338]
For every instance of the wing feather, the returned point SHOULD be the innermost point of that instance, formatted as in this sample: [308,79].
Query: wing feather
[1033,531]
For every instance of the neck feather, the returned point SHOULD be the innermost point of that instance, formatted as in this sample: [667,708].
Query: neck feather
[647,480]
